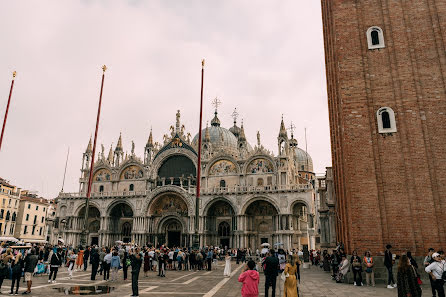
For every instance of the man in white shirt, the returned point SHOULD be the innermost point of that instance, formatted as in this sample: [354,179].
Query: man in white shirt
[436,270]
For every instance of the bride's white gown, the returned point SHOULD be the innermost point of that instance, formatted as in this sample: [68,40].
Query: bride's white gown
[227,271]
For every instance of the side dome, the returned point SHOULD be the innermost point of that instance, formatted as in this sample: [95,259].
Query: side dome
[304,160]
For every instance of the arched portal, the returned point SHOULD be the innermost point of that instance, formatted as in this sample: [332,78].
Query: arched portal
[169,216]
[300,222]
[260,223]
[220,224]
[178,170]
[93,223]
[120,223]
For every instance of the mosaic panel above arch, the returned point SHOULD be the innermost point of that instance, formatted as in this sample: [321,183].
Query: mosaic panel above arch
[132,172]
[222,167]
[261,208]
[102,175]
[260,165]
[168,204]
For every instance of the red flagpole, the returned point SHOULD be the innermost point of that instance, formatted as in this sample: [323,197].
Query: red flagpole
[90,177]
[7,109]
[197,199]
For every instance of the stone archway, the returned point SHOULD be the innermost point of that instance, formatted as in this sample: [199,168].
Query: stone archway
[260,223]
[93,223]
[300,221]
[220,223]
[120,222]
[168,214]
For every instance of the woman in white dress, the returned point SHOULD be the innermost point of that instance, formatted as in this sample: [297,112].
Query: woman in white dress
[227,271]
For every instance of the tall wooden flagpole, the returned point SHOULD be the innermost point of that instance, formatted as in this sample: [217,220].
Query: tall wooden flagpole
[7,108]
[84,234]
[197,196]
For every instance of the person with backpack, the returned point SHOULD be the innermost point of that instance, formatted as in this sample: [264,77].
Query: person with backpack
[16,267]
[437,271]
[355,261]
[55,263]
[114,265]
[369,273]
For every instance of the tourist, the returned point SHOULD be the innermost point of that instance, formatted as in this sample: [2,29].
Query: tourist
[125,264]
[55,263]
[4,270]
[136,262]
[199,260]
[227,271]
[427,261]
[106,264]
[407,279]
[326,260]
[343,268]
[30,264]
[281,255]
[271,266]
[94,261]
[335,260]
[355,261]
[146,267]
[155,261]
[80,258]
[101,260]
[71,262]
[170,260]
[114,265]
[250,279]
[86,256]
[388,262]
[290,272]
[162,259]
[437,272]
[214,259]
[16,267]
[209,258]
[369,270]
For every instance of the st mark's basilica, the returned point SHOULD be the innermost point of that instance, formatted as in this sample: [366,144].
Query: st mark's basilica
[248,195]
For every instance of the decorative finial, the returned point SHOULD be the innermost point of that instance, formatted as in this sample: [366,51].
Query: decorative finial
[292,128]
[216,103]
[235,115]
[14,73]
[202,63]
[104,68]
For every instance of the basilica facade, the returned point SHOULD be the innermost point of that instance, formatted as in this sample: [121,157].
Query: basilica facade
[248,195]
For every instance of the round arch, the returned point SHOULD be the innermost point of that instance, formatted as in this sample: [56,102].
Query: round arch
[259,156]
[219,159]
[257,198]
[160,159]
[168,203]
[174,190]
[131,170]
[82,206]
[102,173]
[117,202]
[215,200]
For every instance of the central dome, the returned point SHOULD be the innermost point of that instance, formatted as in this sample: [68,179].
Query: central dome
[219,136]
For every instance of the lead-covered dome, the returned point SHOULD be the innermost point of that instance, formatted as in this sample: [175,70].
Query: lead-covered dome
[218,136]
[304,161]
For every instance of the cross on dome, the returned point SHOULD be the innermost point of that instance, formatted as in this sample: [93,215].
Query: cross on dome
[235,115]
[292,128]
[216,103]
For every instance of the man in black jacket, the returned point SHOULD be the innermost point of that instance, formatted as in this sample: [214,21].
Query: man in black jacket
[86,256]
[31,260]
[136,262]
[94,261]
[388,262]
[271,265]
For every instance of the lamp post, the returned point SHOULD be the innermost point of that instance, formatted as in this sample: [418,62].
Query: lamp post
[84,234]
[197,196]
[7,108]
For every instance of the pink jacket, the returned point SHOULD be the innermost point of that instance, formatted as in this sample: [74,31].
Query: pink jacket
[250,280]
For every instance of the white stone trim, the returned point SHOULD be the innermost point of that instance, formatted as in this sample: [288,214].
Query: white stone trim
[381,129]
[380,36]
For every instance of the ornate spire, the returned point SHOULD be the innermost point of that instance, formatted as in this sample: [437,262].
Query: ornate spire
[177,126]
[258,138]
[110,155]
[283,132]
[119,145]
[150,140]
[215,121]
[89,147]
[242,136]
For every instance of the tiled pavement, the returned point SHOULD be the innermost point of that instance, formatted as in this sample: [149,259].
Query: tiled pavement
[199,283]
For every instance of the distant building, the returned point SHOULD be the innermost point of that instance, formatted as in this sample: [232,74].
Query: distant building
[31,219]
[9,207]
[326,209]
[51,223]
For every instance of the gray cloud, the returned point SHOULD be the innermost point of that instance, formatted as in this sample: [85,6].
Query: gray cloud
[263,57]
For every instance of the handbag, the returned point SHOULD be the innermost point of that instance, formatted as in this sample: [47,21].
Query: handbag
[284,275]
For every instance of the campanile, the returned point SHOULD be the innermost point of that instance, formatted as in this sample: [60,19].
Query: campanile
[386,83]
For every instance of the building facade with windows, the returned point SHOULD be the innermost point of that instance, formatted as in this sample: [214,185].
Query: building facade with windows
[248,194]
[31,219]
[9,207]
[386,74]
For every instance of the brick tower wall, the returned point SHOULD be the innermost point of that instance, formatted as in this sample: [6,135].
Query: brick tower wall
[389,188]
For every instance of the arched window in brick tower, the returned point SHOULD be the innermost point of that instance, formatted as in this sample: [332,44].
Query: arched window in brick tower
[375,38]
[386,120]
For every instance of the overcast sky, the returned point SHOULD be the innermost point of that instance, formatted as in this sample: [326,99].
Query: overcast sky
[265,58]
